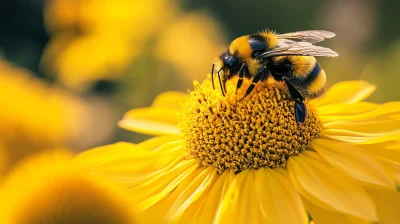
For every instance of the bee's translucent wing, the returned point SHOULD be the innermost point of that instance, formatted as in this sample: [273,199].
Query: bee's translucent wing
[298,48]
[311,36]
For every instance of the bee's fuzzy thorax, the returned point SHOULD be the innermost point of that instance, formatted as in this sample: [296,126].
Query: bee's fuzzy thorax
[271,38]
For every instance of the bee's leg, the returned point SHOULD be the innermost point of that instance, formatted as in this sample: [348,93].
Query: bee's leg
[256,79]
[242,72]
[300,110]
[212,75]
[220,83]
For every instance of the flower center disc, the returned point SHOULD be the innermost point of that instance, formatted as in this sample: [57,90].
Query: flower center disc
[233,133]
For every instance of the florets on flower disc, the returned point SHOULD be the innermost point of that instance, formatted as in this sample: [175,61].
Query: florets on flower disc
[259,130]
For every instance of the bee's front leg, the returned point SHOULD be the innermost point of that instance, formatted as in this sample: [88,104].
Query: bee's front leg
[242,72]
[212,75]
[220,82]
[260,74]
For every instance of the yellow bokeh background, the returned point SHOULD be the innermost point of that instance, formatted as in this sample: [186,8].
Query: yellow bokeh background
[70,69]
[101,58]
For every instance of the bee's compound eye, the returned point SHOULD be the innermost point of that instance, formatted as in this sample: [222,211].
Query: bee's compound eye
[231,61]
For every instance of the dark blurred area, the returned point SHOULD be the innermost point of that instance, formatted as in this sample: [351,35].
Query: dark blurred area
[23,35]
[113,56]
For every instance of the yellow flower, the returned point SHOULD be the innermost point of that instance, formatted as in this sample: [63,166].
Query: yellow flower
[198,34]
[35,116]
[87,58]
[45,188]
[97,39]
[94,40]
[248,161]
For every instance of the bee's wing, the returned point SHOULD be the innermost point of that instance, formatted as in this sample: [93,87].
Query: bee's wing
[311,36]
[298,48]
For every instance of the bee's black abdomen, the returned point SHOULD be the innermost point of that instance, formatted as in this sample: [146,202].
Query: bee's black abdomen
[313,74]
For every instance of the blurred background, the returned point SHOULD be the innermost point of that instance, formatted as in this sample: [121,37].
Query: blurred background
[70,69]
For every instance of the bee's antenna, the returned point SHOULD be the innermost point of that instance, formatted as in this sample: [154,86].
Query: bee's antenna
[212,75]
[220,82]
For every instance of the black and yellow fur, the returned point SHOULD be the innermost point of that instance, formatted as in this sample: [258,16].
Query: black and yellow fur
[291,62]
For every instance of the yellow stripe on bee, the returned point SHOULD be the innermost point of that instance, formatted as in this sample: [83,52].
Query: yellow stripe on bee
[303,65]
[318,84]
[271,38]
[242,46]
[253,65]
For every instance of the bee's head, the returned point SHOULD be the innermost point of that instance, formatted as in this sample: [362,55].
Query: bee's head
[230,63]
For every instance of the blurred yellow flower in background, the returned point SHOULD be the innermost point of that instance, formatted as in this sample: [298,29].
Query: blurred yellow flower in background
[45,188]
[98,39]
[86,59]
[190,44]
[62,14]
[250,162]
[35,116]
[133,19]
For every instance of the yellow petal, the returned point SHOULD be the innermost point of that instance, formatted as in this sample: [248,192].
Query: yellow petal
[152,121]
[346,92]
[372,126]
[393,169]
[352,160]
[387,111]
[196,189]
[170,99]
[321,215]
[99,158]
[346,109]
[93,157]
[128,164]
[278,197]
[394,145]
[327,187]
[141,164]
[387,204]
[252,209]
[247,208]
[390,154]
[217,193]
[157,213]
[153,143]
[45,188]
[193,211]
[389,136]
[156,188]
[360,137]
[229,209]
[185,196]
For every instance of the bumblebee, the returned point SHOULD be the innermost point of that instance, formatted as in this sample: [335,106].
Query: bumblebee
[286,57]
